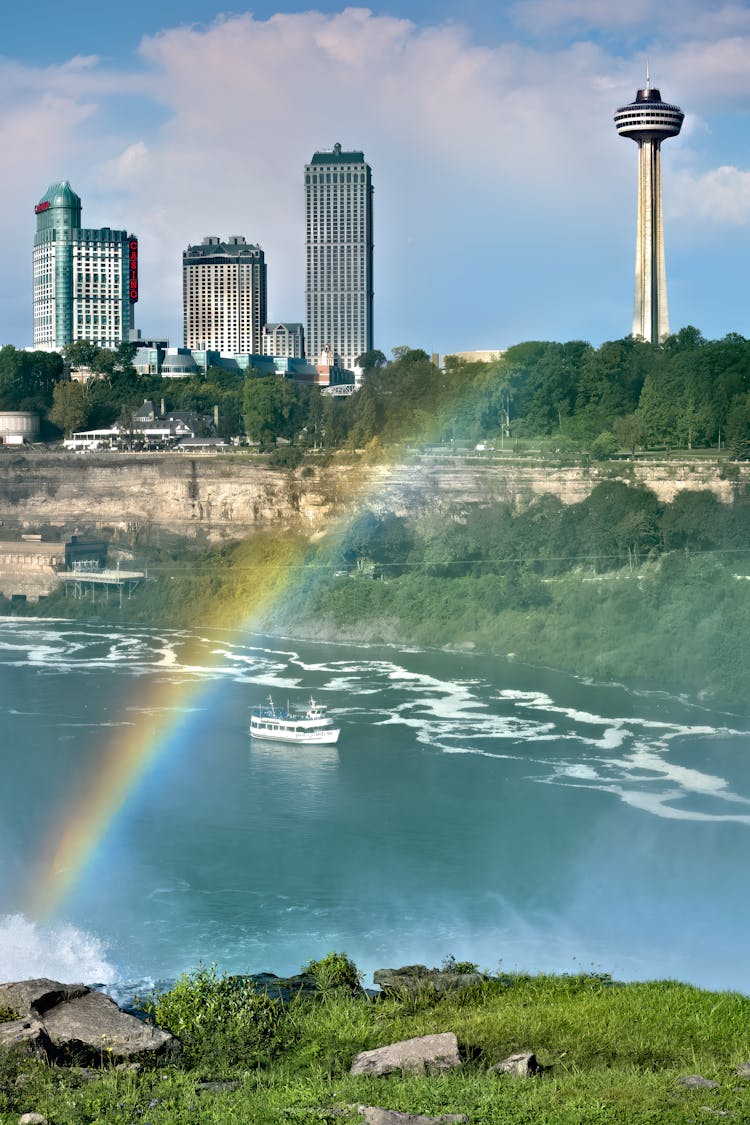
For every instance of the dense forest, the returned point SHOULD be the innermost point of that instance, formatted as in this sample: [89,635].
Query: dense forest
[624,395]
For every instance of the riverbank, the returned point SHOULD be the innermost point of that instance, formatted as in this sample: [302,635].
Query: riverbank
[658,1051]
[680,624]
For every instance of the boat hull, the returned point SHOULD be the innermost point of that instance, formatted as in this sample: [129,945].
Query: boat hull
[306,738]
[308,727]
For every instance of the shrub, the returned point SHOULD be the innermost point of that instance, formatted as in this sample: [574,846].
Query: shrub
[451,965]
[220,1020]
[335,970]
[286,457]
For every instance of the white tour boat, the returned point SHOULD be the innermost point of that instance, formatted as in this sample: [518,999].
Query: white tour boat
[308,725]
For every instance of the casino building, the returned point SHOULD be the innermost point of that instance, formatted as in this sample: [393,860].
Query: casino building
[85,280]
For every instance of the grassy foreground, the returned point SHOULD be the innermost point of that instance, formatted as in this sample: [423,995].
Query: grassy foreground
[614,1053]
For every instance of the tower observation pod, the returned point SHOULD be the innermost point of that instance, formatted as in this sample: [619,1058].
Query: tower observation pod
[648,120]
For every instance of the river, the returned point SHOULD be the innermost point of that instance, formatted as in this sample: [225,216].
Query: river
[474,807]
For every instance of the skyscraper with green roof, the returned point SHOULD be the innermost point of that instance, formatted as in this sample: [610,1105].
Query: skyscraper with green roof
[338,283]
[85,280]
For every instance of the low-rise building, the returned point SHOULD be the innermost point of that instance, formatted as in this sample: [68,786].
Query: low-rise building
[284,339]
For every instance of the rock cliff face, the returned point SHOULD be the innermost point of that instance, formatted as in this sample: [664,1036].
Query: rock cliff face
[214,498]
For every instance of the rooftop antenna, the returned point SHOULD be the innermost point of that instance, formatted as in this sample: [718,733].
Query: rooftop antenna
[648,76]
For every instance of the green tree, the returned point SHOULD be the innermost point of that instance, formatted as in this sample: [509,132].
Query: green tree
[28,379]
[364,412]
[69,408]
[694,521]
[738,428]
[604,446]
[620,522]
[371,361]
[629,430]
[274,407]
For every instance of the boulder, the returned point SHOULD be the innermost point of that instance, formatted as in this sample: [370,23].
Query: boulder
[373,1115]
[32,1119]
[35,997]
[283,988]
[25,1035]
[423,1055]
[416,979]
[93,1029]
[743,1070]
[523,1065]
[697,1082]
[70,1023]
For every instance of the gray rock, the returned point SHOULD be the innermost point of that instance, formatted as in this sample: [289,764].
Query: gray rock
[743,1070]
[523,1064]
[697,1082]
[32,1119]
[416,979]
[91,1028]
[283,988]
[35,997]
[421,1055]
[70,1023]
[373,1115]
[25,1035]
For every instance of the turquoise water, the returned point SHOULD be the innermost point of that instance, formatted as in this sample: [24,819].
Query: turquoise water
[476,807]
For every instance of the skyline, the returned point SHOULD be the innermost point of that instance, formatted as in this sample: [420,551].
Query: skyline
[505,202]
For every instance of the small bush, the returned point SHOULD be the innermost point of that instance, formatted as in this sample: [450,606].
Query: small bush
[451,965]
[286,457]
[335,970]
[220,1020]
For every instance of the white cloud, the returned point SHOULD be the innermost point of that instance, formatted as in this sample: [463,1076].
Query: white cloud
[720,196]
[130,166]
[478,153]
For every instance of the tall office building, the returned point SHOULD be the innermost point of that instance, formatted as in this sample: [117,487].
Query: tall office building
[338,286]
[224,296]
[85,280]
[648,120]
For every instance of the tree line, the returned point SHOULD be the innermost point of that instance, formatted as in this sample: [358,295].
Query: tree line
[617,525]
[624,395]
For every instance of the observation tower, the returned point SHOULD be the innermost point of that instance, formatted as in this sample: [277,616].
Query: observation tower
[648,121]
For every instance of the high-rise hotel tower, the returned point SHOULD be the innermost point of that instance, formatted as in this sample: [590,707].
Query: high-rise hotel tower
[224,296]
[85,280]
[648,120]
[338,279]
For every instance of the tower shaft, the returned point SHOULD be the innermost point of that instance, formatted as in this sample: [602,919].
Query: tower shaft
[650,314]
[648,121]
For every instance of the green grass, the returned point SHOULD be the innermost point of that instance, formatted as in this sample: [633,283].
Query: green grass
[614,1053]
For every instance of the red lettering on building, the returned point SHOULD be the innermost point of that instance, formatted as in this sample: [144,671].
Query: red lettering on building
[42,207]
[133,287]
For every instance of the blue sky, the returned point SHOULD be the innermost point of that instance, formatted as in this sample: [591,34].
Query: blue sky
[504,199]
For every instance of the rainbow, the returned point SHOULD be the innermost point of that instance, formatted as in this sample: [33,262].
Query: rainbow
[132,753]
[165,710]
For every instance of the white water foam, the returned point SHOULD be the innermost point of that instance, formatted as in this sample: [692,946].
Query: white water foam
[59,951]
[633,759]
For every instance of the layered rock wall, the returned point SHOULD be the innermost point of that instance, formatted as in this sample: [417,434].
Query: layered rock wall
[224,497]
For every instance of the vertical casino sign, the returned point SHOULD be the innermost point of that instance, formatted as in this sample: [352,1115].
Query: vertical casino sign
[133,261]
